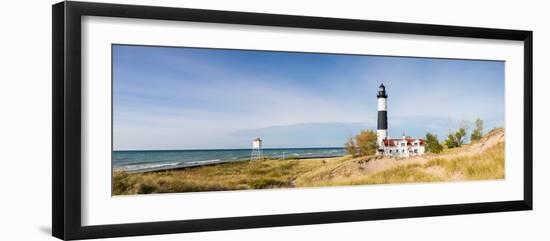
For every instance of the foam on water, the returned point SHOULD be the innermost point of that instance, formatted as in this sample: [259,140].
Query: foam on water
[146,166]
[146,160]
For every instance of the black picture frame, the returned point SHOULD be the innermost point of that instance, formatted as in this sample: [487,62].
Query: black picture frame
[66,158]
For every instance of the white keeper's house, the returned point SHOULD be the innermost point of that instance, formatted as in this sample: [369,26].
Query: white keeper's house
[402,147]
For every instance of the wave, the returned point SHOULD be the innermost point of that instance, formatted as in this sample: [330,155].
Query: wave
[147,166]
[202,162]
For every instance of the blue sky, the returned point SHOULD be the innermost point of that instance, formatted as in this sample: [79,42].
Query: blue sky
[192,98]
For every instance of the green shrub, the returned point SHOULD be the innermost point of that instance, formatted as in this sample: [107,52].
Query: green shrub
[432,144]
[145,188]
[456,139]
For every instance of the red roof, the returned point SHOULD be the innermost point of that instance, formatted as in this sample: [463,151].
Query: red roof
[410,141]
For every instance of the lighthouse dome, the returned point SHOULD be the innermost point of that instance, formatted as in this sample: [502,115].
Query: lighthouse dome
[382,91]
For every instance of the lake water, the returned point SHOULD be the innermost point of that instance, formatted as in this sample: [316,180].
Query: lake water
[144,160]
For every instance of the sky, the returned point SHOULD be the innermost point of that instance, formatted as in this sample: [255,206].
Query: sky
[171,98]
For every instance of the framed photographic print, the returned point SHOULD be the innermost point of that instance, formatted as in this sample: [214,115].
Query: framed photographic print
[170,120]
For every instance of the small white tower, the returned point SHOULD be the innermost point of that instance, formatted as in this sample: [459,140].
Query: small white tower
[256,149]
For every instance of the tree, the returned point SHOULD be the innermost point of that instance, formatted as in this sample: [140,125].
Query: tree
[351,148]
[363,144]
[432,143]
[366,143]
[460,136]
[450,142]
[477,133]
[456,139]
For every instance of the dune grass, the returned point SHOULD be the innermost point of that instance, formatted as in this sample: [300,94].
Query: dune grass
[488,165]
[409,173]
[228,176]
[263,174]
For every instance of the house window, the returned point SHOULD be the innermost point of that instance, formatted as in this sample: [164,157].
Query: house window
[402,144]
[390,151]
[415,150]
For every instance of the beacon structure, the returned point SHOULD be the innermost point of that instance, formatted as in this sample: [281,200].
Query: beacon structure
[401,147]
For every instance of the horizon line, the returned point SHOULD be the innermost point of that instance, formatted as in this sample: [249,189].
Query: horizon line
[227,149]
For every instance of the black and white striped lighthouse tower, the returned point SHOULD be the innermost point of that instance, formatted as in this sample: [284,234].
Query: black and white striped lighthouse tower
[382,131]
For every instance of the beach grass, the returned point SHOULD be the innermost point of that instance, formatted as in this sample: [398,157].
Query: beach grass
[266,174]
[486,166]
[457,164]
[262,174]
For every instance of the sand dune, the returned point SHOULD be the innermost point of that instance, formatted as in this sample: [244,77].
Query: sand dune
[480,160]
[358,169]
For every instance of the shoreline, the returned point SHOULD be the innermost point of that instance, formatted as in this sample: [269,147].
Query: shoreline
[229,149]
[482,160]
[182,166]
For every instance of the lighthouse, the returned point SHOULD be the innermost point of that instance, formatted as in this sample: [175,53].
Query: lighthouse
[382,132]
[401,147]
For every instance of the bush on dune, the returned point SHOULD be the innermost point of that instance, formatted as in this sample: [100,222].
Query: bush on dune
[364,144]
